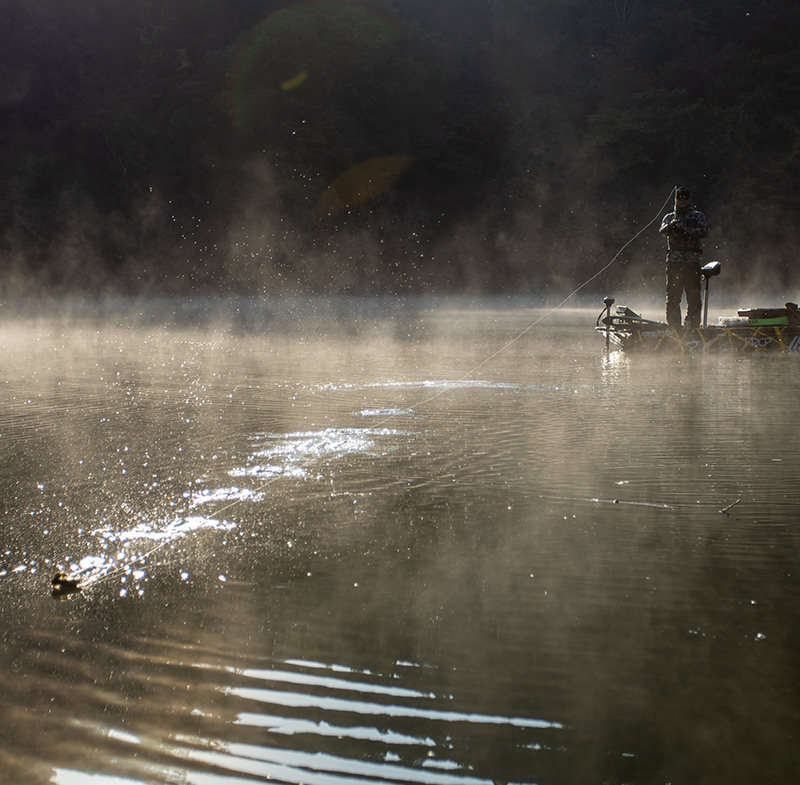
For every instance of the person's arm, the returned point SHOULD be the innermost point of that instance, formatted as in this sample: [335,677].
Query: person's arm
[668,224]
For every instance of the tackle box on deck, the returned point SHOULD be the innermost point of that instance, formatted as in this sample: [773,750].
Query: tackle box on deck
[765,316]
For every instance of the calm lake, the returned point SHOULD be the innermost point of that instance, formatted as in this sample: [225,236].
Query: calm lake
[326,544]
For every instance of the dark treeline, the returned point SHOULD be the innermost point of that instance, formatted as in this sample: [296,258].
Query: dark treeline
[247,146]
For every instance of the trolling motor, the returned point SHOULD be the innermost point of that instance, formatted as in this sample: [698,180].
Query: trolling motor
[608,302]
[708,271]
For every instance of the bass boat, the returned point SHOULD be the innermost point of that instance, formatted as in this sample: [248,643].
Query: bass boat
[752,330]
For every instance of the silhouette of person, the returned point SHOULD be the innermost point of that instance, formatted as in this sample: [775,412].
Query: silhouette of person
[684,229]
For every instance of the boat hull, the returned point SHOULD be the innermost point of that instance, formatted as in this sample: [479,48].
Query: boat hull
[742,339]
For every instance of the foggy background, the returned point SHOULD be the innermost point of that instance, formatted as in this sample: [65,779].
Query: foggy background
[176,147]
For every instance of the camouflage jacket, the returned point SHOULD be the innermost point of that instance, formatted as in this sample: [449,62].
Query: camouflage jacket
[684,230]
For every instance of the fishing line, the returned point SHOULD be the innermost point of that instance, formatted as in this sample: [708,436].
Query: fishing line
[544,316]
[140,558]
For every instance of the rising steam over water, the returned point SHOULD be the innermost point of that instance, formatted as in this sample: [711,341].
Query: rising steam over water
[324,552]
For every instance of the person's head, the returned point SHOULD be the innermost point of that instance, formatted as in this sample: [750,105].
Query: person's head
[682,197]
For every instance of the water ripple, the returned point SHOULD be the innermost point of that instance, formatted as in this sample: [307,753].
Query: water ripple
[295,454]
[318,737]
[317,768]
[301,700]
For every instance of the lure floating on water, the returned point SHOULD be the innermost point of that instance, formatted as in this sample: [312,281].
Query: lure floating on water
[64,585]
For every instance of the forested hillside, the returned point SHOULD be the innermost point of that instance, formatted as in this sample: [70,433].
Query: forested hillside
[248,146]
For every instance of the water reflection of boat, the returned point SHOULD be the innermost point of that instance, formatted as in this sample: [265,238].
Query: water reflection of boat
[752,330]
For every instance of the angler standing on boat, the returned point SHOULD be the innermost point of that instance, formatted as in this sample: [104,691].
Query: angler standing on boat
[684,229]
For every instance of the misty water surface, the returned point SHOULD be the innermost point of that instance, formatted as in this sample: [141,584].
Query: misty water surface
[327,545]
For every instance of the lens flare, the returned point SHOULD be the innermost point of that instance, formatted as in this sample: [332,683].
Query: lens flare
[276,54]
[361,184]
[295,81]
